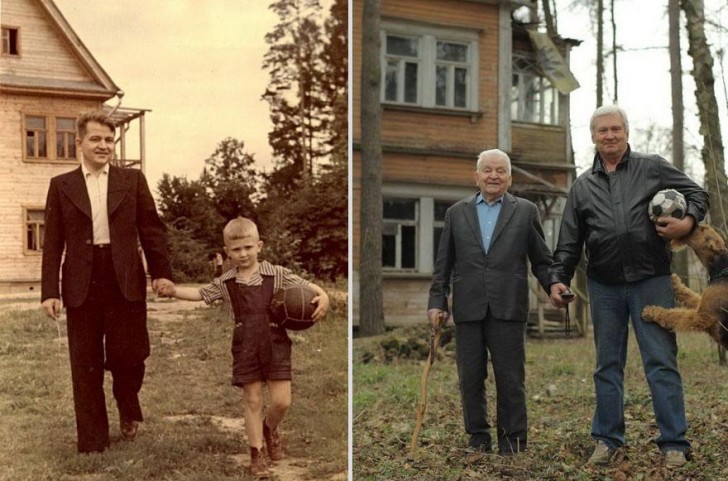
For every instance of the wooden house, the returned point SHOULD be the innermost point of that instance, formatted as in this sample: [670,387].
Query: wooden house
[457,78]
[48,77]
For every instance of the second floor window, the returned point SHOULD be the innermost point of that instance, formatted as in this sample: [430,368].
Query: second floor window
[429,67]
[49,139]
[65,138]
[533,98]
[402,69]
[36,137]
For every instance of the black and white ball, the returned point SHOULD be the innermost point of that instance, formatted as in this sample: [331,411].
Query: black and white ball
[668,202]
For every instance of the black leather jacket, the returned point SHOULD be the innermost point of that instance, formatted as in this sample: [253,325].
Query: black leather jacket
[608,213]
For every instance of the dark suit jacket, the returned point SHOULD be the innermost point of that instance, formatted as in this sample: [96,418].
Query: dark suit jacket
[132,217]
[498,279]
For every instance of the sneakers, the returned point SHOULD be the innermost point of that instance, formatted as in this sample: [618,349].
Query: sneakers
[675,459]
[272,443]
[602,454]
[258,466]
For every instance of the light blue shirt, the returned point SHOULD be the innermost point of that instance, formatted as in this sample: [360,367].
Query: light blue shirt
[487,217]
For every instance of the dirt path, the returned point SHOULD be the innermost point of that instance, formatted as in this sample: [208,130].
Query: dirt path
[171,311]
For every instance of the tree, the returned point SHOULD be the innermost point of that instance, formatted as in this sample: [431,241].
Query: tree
[231,180]
[334,58]
[371,311]
[680,259]
[712,151]
[296,93]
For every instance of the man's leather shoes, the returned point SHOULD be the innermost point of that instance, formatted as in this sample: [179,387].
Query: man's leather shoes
[128,428]
[481,442]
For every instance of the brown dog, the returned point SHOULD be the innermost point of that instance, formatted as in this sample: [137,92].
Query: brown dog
[708,312]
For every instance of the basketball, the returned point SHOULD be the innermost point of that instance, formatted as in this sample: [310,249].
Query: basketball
[291,307]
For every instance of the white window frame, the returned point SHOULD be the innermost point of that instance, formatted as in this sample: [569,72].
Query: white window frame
[526,72]
[397,224]
[427,57]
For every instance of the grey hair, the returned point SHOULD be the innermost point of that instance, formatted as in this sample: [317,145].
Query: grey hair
[609,110]
[492,153]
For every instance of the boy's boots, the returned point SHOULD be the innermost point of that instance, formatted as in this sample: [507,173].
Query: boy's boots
[258,466]
[272,442]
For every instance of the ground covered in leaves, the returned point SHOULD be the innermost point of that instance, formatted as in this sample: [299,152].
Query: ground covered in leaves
[387,371]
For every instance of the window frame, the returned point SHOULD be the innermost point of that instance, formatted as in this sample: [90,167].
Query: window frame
[10,29]
[398,247]
[525,67]
[51,137]
[36,225]
[429,36]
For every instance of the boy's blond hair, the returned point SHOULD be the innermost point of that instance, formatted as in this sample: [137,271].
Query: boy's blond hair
[240,228]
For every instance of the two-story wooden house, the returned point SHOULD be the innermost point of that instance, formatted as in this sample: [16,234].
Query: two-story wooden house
[48,77]
[457,77]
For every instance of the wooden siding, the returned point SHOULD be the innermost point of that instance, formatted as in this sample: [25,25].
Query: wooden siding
[404,298]
[25,184]
[536,143]
[44,51]
[428,128]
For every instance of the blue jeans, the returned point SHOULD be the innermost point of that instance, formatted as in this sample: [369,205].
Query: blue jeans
[611,308]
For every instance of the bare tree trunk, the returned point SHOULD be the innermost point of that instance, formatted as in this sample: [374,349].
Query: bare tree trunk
[614,53]
[371,311]
[600,52]
[680,258]
[712,151]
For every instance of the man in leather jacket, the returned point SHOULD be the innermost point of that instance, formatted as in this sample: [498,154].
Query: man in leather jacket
[628,267]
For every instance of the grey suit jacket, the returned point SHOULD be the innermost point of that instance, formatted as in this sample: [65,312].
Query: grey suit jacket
[498,279]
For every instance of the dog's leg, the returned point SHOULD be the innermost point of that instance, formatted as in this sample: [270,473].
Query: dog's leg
[678,319]
[684,296]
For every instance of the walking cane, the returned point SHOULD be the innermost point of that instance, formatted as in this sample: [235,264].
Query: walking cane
[434,343]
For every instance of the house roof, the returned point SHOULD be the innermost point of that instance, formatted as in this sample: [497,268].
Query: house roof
[103,86]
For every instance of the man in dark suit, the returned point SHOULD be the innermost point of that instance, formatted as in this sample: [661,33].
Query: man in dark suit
[486,241]
[98,214]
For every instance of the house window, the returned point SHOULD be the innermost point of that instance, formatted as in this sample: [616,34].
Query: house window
[49,139]
[34,229]
[441,207]
[399,237]
[429,66]
[533,98]
[402,69]
[452,72]
[65,138]
[35,137]
[10,41]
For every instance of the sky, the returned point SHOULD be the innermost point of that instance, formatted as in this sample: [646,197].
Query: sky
[644,73]
[196,65]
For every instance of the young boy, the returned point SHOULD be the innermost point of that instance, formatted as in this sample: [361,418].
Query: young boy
[261,351]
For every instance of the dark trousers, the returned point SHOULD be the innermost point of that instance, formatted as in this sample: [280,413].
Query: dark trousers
[105,332]
[505,341]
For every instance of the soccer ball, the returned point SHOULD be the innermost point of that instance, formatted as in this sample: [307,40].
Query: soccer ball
[668,202]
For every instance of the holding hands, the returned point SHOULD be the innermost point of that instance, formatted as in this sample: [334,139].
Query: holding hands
[163,287]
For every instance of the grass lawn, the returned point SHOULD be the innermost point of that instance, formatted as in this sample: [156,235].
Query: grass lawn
[193,426]
[560,403]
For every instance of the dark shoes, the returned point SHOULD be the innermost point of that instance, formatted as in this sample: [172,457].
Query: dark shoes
[258,466]
[480,442]
[273,443]
[128,428]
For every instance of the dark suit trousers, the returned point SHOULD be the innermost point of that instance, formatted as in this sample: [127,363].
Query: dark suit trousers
[505,341]
[105,332]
